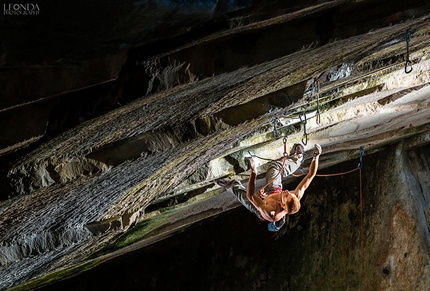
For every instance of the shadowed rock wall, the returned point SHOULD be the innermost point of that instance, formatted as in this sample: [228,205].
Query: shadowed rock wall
[319,250]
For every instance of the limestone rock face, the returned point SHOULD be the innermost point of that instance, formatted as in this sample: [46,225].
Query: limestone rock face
[321,248]
[117,124]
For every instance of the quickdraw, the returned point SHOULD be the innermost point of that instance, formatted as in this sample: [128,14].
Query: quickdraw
[303,120]
[285,147]
[408,35]
[275,132]
[303,117]
[317,89]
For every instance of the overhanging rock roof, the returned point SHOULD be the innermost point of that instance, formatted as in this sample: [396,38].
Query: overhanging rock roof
[74,193]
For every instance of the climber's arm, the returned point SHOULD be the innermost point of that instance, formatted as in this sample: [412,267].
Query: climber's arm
[304,184]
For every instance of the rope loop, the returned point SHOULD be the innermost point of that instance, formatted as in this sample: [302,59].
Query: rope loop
[359,167]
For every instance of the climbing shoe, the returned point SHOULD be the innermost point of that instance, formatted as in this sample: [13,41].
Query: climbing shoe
[224,183]
[297,149]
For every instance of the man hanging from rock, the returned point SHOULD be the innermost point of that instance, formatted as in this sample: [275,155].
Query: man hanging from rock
[275,203]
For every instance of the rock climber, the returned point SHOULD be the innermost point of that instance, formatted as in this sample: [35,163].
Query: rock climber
[275,203]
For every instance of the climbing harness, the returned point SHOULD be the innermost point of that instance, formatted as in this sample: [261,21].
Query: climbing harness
[408,35]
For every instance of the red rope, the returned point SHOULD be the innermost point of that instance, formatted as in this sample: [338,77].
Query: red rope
[362,233]
[261,191]
[329,175]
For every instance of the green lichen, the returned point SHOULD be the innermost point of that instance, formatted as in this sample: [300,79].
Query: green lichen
[56,276]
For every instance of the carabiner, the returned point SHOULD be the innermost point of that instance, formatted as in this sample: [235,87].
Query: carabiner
[408,35]
[305,139]
[305,118]
[408,62]
[318,117]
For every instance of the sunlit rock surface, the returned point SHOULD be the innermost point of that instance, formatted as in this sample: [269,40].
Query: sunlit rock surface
[321,248]
[116,140]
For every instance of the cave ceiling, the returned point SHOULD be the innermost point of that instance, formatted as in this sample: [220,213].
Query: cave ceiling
[113,110]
